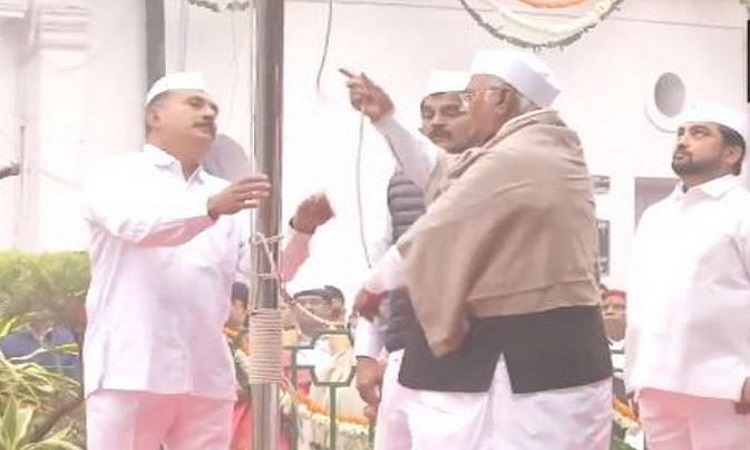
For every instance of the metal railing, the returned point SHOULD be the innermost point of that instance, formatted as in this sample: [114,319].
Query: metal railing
[295,369]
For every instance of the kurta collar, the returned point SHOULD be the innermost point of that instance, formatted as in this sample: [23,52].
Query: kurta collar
[164,160]
[715,188]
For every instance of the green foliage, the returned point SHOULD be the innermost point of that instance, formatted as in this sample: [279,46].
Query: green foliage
[48,284]
[33,385]
[33,401]
[16,430]
[40,409]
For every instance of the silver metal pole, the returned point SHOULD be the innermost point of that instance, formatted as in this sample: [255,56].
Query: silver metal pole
[269,42]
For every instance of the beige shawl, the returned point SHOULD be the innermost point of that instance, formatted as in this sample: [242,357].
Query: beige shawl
[511,231]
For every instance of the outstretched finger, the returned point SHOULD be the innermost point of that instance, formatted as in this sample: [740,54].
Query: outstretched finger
[347,73]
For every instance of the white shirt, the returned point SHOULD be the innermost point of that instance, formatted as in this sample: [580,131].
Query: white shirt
[416,157]
[688,315]
[161,278]
[417,162]
[319,356]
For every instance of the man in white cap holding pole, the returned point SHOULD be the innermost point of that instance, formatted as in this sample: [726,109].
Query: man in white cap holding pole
[688,320]
[501,275]
[166,245]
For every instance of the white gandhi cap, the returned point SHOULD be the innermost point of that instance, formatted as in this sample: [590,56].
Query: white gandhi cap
[732,118]
[528,74]
[441,81]
[176,81]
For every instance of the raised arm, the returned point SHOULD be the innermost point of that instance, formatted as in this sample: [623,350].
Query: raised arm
[136,214]
[414,156]
[313,212]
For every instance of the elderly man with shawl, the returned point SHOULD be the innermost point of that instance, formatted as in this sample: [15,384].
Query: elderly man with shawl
[501,273]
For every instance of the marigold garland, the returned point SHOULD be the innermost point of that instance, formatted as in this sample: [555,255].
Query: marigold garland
[553,4]
[568,34]
[625,416]
[314,407]
[546,4]
[227,6]
[600,10]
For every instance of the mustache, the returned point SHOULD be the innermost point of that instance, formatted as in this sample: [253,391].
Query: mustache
[210,123]
[439,133]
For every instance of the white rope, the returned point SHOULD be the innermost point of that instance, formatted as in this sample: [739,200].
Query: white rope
[263,365]
[274,273]
[265,358]
[331,324]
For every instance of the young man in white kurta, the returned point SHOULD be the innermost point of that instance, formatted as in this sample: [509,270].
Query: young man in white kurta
[688,317]
[398,424]
[166,244]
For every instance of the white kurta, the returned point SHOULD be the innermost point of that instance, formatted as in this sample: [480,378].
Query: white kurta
[688,315]
[161,279]
[417,161]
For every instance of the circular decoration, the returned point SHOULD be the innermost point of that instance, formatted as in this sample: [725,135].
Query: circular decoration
[524,30]
[666,100]
[669,94]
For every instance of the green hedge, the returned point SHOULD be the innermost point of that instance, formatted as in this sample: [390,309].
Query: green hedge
[45,284]
[40,409]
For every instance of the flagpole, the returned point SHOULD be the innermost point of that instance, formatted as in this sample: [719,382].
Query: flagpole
[268,98]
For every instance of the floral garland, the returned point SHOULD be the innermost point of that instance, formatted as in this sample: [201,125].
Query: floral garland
[348,435]
[354,429]
[353,422]
[563,34]
[625,416]
[552,4]
[588,20]
[232,5]
[627,420]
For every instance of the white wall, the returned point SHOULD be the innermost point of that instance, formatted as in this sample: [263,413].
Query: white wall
[607,77]
[97,91]
[72,76]
[10,38]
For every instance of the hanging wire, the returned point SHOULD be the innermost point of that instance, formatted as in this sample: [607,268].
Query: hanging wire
[358,182]
[326,45]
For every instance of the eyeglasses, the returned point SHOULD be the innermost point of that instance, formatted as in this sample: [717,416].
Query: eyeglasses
[469,94]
